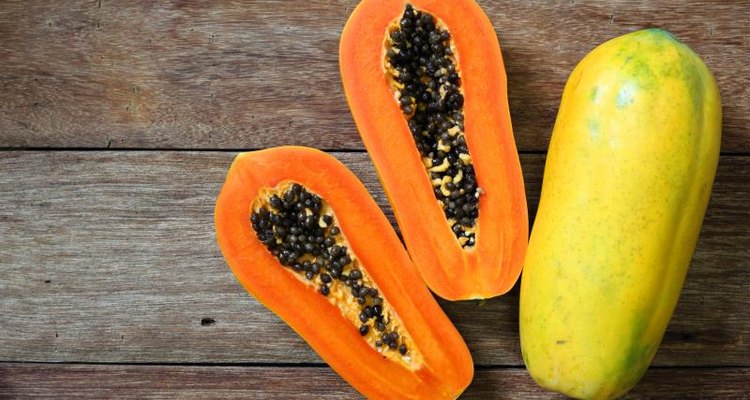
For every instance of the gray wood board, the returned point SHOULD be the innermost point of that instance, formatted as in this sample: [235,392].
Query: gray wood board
[65,381]
[110,256]
[235,75]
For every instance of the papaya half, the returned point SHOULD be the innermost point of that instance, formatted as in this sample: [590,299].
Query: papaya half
[426,86]
[304,237]
[626,184]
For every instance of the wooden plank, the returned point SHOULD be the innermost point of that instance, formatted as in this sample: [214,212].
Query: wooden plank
[111,257]
[20,381]
[657,383]
[231,75]
[65,381]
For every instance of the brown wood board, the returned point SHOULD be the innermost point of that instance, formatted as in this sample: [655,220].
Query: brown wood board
[61,381]
[112,284]
[237,75]
[110,256]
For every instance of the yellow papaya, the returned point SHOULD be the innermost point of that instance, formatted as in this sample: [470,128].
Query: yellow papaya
[626,184]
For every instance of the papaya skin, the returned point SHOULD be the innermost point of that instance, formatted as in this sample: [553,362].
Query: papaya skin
[627,181]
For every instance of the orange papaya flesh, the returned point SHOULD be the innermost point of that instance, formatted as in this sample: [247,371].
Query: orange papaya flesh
[304,237]
[426,85]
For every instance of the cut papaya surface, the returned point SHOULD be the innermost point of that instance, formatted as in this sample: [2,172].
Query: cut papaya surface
[304,237]
[426,85]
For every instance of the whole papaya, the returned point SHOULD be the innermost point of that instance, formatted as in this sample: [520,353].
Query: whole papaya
[626,184]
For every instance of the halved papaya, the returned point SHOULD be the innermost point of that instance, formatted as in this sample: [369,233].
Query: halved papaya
[304,237]
[426,85]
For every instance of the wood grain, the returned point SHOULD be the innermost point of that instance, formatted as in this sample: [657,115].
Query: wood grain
[111,257]
[233,75]
[60,381]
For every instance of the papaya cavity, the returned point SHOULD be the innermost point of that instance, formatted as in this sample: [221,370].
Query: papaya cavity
[301,231]
[422,69]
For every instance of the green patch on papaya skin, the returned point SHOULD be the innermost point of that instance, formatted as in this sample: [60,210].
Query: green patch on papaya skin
[635,367]
[694,81]
[637,357]
[641,72]
[662,33]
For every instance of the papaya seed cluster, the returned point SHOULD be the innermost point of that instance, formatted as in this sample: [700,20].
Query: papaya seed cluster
[422,70]
[296,229]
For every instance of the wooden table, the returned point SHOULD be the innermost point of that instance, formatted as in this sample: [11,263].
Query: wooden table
[119,120]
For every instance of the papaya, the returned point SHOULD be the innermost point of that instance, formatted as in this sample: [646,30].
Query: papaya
[304,237]
[626,184]
[426,86]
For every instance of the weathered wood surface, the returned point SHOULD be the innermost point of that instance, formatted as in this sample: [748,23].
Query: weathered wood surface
[22,381]
[111,257]
[232,75]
